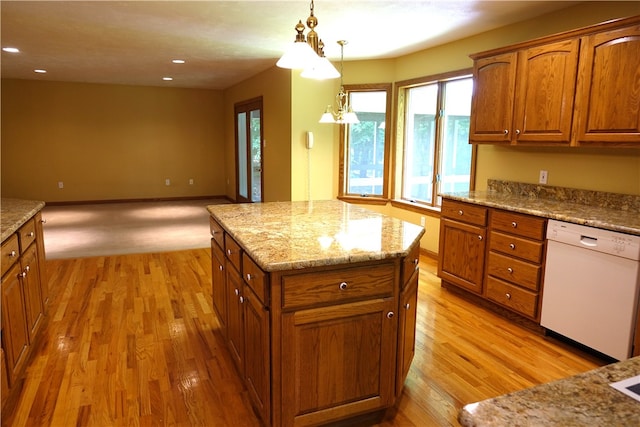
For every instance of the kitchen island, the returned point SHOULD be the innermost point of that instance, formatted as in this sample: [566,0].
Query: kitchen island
[585,399]
[317,303]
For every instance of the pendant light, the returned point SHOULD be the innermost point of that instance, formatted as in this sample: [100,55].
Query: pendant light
[344,114]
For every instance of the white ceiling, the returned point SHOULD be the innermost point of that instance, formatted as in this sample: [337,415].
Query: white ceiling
[225,42]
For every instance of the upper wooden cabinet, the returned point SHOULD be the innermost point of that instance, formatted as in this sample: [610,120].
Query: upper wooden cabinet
[608,94]
[575,88]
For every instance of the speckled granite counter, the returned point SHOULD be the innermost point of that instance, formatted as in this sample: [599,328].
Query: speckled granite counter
[15,212]
[581,400]
[609,211]
[294,235]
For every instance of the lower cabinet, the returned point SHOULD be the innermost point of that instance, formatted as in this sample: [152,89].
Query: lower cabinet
[15,331]
[407,329]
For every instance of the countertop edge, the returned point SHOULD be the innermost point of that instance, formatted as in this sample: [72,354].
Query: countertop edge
[16,212]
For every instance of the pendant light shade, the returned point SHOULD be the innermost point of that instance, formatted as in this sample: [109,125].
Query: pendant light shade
[344,113]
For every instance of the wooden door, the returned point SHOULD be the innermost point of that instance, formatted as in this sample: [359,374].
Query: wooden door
[546,84]
[15,337]
[219,285]
[257,353]
[494,81]
[235,316]
[608,94]
[408,312]
[461,254]
[32,291]
[338,361]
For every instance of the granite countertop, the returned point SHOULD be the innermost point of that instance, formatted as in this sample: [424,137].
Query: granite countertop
[585,399]
[15,212]
[294,235]
[609,211]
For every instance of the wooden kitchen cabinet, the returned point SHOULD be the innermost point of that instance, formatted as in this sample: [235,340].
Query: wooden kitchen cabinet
[15,332]
[608,96]
[30,277]
[462,245]
[407,329]
[525,96]
[219,284]
[570,89]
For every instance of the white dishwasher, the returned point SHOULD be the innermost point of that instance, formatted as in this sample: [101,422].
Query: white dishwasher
[591,285]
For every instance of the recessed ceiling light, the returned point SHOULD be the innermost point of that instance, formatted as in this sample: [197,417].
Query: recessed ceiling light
[178,61]
[11,49]
[39,71]
[167,79]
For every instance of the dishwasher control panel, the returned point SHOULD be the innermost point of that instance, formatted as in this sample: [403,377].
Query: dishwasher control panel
[607,241]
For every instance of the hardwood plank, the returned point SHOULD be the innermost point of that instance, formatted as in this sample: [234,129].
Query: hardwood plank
[133,340]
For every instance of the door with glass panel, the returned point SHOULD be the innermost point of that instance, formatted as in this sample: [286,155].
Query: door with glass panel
[249,182]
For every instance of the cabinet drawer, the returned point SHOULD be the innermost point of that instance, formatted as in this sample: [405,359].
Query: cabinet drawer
[9,252]
[27,234]
[410,264]
[521,273]
[325,287]
[516,246]
[216,231]
[518,299]
[232,251]
[518,224]
[464,212]
[255,278]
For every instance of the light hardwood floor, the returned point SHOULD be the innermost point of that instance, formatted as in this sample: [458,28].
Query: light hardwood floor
[132,340]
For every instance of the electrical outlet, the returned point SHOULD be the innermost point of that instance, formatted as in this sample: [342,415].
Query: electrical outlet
[422,221]
[543,177]
[190,181]
[167,182]
[60,184]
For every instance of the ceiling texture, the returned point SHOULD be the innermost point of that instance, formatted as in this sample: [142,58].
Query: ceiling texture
[225,42]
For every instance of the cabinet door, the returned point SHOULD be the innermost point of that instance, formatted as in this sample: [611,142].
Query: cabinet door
[257,353]
[407,329]
[4,390]
[219,285]
[15,337]
[546,84]
[338,361]
[461,254]
[44,278]
[32,291]
[493,99]
[608,93]
[235,316]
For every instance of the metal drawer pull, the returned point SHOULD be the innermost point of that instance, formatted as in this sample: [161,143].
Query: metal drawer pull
[390,315]
[220,267]
[506,131]
[512,245]
[460,212]
[510,270]
[241,300]
[517,131]
[237,292]
[407,306]
[508,295]
[13,254]
[343,286]
[229,252]
[27,269]
[248,277]
[31,234]
[23,274]
[44,221]
[514,224]
[479,237]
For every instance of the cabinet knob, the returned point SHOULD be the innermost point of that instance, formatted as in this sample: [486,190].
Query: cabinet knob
[27,269]
[479,237]
[31,234]
[44,221]
[407,306]
[416,261]
[517,131]
[13,254]
[220,268]
[512,245]
[506,131]
[508,295]
[23,274]
[237,291]
[241,300]
[390,315]
[514,224]
[343,286]
[228,251]
[510,270]
[460,212]
[248,277]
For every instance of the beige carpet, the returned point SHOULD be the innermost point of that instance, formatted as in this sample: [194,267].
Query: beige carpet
[76,231]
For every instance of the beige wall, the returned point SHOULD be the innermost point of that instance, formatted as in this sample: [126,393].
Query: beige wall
[109,142]
[274,86]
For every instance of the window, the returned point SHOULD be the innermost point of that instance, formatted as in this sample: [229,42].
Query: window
[249,176]
[434,148]
[365,146]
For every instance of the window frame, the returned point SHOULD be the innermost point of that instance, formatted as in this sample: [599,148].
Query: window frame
[399,147]
[344,146]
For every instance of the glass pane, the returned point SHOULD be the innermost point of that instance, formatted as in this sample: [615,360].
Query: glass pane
[256,156]
[455,161]
[365,156]
[243,186]
[419,148]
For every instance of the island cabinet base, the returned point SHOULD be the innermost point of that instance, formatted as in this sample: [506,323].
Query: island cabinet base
[330,343]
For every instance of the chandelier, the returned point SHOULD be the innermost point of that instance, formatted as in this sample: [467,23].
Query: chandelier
[344,114]
[308,54]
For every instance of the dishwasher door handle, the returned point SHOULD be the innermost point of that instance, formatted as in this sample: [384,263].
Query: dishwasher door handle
[588,241]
